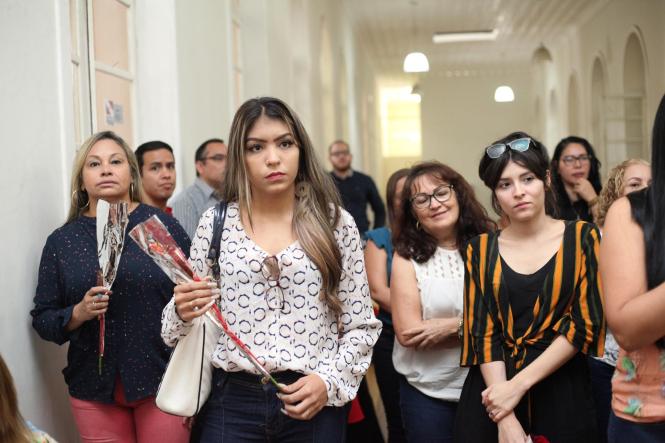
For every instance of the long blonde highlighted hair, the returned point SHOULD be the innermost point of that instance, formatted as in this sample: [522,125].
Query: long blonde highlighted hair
[12,426]
[613,188]
[80,199]
[317,206]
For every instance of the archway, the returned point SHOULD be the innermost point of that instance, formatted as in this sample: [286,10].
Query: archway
[598,91]
[634,87]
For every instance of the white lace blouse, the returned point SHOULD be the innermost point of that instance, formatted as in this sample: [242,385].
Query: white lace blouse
[302,336]
[436,372]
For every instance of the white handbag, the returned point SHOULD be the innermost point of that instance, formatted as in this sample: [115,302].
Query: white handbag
[187,382]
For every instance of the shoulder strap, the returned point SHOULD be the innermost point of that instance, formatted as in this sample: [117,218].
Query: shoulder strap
[219,216]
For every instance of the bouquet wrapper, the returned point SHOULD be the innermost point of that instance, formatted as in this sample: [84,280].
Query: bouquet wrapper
[111,224]
[154,239]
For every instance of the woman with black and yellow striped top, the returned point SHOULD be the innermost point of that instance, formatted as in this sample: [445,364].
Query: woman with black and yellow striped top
[532,309]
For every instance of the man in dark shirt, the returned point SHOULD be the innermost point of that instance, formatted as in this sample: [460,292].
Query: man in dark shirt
[356,189]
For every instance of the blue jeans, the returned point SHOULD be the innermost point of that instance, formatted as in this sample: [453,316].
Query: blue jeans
[242,409]
[620,431]
[426,419]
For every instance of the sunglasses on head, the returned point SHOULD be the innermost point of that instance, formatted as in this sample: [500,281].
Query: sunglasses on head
[520,145]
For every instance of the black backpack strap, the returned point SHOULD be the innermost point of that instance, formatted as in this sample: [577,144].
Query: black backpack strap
[219,216]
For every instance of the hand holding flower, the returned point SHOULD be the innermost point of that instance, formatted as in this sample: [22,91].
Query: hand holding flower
[194,299]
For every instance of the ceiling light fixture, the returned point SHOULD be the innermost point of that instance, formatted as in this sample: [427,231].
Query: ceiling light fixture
[416,62]
[504,94]
[465,36]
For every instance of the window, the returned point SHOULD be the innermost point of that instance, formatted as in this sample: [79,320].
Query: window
[400,122]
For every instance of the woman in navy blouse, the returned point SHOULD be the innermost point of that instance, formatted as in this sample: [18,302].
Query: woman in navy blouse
[118,404]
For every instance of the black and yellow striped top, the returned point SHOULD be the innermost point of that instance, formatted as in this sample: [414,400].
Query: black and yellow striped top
[569,304]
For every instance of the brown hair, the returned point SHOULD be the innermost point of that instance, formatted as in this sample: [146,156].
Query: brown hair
[613,188]
[416,244]
[317,210]
[80,199]
[394,214]
[12,426]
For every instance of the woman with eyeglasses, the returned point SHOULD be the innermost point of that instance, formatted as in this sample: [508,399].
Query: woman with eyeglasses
[633,274]
[439,215]
[532,309]
[293,288]
[576,178]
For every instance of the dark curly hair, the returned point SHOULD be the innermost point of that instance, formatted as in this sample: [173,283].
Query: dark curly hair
[535,159]
[416,244]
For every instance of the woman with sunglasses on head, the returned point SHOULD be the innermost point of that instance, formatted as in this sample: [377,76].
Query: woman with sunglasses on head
[576,179]
[633,274]
[532,309]
[293,288]
[439,215]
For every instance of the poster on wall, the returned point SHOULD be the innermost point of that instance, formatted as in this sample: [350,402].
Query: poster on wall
[113,112]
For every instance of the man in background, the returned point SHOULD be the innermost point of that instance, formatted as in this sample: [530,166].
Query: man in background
[157,166]
[357,189]
[191,203]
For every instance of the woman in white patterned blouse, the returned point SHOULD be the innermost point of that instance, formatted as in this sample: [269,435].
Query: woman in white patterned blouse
[293,288]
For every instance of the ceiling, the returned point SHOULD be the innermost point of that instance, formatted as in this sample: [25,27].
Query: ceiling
[389,29]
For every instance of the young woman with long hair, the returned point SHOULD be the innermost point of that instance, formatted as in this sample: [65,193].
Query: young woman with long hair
[628,176]
[575,176]
[293,288]
[439,215]
[633,274]
[378,261]
[532,309]
[118,403]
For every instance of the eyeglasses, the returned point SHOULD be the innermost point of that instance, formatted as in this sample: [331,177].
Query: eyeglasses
[216,157]
[339,153]
[572,159]
[441,194]
[271,272]
[520,145]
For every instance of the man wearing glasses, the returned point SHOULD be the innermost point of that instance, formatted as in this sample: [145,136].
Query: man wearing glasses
[191,203]
[356,189]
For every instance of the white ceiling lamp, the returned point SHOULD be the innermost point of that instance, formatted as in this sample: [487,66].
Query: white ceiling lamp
[465,36]
[504,94]
[416,62]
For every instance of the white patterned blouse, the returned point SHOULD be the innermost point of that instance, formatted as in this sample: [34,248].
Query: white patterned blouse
[300,332]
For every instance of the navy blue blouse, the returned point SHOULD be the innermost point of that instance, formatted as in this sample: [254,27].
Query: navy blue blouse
[134,348]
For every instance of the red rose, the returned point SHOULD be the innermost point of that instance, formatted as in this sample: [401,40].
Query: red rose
[539,439]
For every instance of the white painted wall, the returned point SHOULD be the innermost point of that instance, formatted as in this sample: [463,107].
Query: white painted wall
[35,120]
[604,33]
[460,117]
[204,77]
[158,110]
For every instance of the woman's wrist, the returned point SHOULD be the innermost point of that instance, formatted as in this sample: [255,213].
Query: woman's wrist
[521,382]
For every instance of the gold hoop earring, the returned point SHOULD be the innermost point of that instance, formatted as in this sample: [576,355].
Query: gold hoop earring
[418,225]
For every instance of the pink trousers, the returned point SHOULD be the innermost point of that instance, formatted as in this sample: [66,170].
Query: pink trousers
[122,422]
